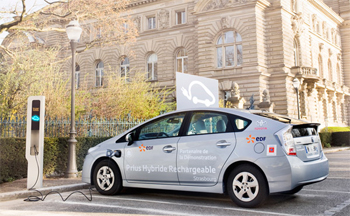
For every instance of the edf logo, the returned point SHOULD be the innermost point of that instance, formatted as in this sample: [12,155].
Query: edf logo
[260,138]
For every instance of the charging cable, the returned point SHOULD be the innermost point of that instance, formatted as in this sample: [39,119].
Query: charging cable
[36,198]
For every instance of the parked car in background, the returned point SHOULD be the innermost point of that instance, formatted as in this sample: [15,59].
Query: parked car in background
[246,154]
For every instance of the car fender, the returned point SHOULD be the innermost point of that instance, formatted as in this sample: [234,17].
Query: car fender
[93,158]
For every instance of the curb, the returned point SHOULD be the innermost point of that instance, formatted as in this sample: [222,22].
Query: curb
[332,150]
[26,193]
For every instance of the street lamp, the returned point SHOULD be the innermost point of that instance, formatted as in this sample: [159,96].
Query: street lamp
[73,31]
[296,85]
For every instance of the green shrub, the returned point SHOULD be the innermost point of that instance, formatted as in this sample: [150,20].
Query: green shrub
[335,129]
[326,138]
[14,164]
[327,145]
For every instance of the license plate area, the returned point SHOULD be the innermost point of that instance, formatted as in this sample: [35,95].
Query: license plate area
[311,150]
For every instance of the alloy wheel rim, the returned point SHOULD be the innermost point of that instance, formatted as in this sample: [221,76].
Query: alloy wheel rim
[105,178]
[245,186]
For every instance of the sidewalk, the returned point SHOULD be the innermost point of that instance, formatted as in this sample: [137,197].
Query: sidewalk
[335,149]
[18,188]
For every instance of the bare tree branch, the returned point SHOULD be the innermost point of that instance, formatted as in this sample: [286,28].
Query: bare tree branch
[57,15]
[7,51]
[38,29]
[7,26]
[55,2]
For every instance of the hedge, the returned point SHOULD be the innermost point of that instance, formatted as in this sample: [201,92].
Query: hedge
[335,129]
[13,163]
[335,138]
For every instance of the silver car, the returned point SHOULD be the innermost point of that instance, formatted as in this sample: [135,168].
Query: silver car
[246,154]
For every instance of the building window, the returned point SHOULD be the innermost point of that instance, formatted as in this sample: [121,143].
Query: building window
[296,52]
[180,17]
[125,28]
[336,39]
[99,32]
[320,66]
[77,76]
[99,74]
[339,79]
[294,5]
[330,74]
[151,22]
[152,67]
[229,50]
[124,68]
[181,61]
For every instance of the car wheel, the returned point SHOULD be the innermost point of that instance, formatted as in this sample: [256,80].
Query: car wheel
[295,190]
[107,178]
[247,186]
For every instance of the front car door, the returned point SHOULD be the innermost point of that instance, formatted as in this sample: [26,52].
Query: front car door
[152,157]
[203,150]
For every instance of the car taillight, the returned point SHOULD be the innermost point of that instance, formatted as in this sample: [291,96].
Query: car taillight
[287,141]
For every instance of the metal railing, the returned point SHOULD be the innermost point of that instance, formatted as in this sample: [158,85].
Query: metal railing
[60,127]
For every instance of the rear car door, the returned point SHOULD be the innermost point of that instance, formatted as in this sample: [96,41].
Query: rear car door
[152,157]
[207,143]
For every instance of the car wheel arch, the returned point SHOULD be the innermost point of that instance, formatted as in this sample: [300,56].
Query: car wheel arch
[95,164]
[236,164]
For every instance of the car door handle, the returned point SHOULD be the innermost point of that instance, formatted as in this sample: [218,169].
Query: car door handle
[169,149]
[223,143]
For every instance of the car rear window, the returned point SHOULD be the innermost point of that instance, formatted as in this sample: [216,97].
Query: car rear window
[303,131]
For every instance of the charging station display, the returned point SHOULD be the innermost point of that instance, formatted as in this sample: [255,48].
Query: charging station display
[35,114]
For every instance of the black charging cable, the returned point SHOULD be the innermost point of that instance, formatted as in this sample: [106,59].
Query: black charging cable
[36,198]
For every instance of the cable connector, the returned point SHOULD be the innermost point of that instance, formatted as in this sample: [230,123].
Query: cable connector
[111,153]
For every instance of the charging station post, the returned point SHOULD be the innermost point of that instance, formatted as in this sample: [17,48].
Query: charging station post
[35,141]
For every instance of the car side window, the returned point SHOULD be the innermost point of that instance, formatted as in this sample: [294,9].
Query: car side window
[241,123]
[168,126]
[208,123]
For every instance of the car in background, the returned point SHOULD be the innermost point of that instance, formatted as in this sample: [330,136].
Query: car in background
[245,153]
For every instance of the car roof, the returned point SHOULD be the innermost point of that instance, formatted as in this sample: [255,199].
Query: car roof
[248,114]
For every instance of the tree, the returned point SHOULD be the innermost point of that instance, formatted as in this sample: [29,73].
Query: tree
[33,64]
[110,14]
[103,21]
[26,72]
[137,97]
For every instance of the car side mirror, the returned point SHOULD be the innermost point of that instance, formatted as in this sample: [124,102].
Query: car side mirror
[130,138]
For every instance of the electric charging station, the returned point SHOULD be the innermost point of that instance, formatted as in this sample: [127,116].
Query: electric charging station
[35,141]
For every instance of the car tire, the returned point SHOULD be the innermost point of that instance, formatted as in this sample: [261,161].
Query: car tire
[107,178]
[294,191]
[247,186]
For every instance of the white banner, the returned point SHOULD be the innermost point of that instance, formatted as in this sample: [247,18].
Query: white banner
[195,91]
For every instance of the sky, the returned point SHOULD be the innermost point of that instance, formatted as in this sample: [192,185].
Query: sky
[5,5]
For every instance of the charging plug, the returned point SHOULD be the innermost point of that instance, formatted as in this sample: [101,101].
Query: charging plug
[111,153]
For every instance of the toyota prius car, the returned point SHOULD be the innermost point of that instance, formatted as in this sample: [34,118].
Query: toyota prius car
[247,154]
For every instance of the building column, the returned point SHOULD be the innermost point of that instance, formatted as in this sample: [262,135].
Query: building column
[324,102]
[313,102]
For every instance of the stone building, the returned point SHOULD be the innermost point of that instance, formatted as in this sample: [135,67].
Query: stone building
[250,46]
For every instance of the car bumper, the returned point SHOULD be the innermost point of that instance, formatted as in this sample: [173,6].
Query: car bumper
[304,173]
[87,169]
[287,172]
